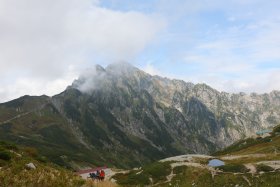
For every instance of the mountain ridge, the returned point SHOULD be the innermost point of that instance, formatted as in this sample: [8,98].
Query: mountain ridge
[125,111]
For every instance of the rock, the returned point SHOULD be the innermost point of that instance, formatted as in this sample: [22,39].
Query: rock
[30,166]
[17,154]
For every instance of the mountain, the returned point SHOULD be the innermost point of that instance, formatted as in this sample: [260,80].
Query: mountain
[122,116]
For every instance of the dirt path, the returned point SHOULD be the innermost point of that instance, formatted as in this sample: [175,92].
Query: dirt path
[15,117]
[23,114]
[193,164]
[183,158]
[247,180]
[251,167]
[233,157]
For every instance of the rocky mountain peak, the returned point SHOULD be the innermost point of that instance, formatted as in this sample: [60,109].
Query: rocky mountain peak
[128,113]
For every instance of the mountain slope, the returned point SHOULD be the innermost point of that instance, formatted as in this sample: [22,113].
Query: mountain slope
[22,166]
[248,162]
[266,145]
[123,112]
[193,170]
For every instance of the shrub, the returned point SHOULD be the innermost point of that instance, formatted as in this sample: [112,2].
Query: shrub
[158,171]
[31,151]
[2,163]
[7,145]
[233,168]
[179,169]
[139,179]
[132,178]
[265,168]
[42,159]
[276,129]
[5,155]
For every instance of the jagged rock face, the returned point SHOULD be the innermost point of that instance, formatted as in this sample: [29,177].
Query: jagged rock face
[191,118]
[198,110]
[124,112]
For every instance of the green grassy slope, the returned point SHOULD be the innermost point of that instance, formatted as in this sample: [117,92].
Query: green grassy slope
[34,121]
[248,162]
[13,170]
[267,145]
[164,175]
[192,176]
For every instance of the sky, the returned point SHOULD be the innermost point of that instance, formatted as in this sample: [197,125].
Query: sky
[231,45]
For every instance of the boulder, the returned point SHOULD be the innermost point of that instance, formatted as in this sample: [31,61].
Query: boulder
[30,166]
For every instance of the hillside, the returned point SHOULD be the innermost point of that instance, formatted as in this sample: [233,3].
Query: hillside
[33,121]
[257,145]
[249,162]
[193,170]
[122,112]
[14,169]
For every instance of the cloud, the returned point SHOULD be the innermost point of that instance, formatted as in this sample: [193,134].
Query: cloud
[257,81]
[91,79]
[41,40]
[30,85]
[240,57]
[151,69]
[222,43]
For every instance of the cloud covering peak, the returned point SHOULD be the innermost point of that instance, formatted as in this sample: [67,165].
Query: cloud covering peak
[49,41]
[231,45]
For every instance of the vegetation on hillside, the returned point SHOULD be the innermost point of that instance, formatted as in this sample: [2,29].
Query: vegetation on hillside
[200,177]
[236,168]
[269,144]
[162,174]
[150,174]
[15,172]
[132,115]
[249,162]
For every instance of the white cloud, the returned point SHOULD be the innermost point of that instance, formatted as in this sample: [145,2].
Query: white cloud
[151,69]
[253,81]
[239,58]
[41,39]
[257,81]
[29,85]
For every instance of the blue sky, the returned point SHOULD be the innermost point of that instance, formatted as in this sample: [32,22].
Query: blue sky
[231,45]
